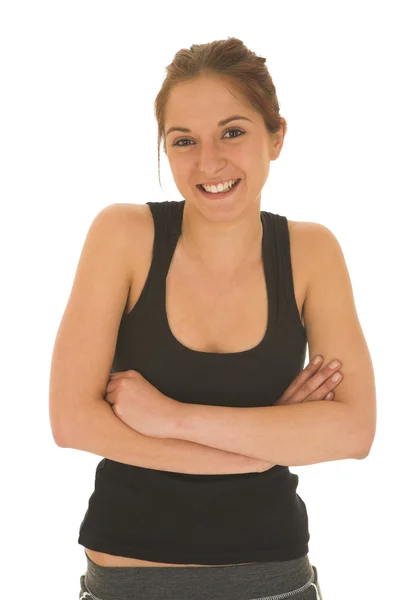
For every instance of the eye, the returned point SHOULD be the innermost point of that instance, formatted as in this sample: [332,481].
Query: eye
[231,130]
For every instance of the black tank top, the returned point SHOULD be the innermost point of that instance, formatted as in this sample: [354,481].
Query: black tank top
[180,518]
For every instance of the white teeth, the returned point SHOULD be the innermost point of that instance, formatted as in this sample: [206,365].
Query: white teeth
[221,187]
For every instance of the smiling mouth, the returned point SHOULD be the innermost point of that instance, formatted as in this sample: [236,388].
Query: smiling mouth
[218,195]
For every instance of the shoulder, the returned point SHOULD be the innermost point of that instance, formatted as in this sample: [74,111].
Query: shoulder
[127,222]
[123,214]
[318,240]
[133,232]
[123,228]
[315,245]
[311,235]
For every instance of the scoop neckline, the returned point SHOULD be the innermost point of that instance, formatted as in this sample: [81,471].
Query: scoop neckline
[271,312]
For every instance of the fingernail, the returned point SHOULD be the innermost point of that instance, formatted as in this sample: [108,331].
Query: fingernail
[317,360]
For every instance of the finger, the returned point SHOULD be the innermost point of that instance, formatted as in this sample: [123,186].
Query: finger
[318,385]
[321,392]
[108,400]
[322,378]
[319,396]
[311,399]
[119,375]
[301,378]
[111,385]
[328,385]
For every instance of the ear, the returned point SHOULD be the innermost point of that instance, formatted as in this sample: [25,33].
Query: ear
[278,139]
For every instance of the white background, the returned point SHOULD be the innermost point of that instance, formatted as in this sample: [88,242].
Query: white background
[78,132]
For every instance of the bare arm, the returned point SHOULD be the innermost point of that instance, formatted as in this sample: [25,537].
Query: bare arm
[101,432]
[319,431]
[83,355]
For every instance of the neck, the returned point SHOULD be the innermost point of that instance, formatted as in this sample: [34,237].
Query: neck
[222,249]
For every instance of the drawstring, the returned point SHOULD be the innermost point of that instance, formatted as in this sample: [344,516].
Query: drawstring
[88,595]
[316,591]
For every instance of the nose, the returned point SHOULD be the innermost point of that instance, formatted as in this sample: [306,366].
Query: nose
[210,159]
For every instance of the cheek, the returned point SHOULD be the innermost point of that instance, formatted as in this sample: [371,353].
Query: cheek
[181,167]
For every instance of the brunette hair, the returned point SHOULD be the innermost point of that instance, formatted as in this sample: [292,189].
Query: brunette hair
[232,61]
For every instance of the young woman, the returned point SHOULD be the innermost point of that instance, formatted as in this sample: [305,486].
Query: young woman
[202,309]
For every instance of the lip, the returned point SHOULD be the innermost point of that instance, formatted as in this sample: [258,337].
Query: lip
[217,182]
[219,195]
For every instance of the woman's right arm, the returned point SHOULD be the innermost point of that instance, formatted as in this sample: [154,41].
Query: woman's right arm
[82,360]
[101,432]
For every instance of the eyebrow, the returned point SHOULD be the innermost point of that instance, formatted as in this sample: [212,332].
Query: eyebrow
[220,124]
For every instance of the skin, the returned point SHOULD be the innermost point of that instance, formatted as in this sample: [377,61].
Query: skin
[220,235]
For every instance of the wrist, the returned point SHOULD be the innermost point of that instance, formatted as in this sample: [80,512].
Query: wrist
[178,421]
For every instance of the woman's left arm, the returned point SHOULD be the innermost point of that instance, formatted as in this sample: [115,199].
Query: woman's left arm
[311,432]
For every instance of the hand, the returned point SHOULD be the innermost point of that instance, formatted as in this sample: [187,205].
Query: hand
[311,385]
[308,386]
[140,405]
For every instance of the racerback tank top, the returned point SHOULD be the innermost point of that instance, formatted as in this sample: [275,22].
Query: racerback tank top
[181,518]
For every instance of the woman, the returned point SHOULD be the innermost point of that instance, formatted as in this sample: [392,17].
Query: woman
[204,308]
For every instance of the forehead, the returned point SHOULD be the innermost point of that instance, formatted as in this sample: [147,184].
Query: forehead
[207,97]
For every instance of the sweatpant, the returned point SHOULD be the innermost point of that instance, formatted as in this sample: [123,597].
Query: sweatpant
[297,579]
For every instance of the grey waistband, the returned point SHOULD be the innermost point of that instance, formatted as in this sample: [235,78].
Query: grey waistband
[256,581]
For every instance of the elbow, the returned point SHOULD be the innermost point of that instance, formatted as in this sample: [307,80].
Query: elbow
[67,425]
[56,431]
[365,451]
[60,433]
[363,434]
[364,447]
[362,455]
[66,438]
[61,444]
[59,425]
[59,439]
